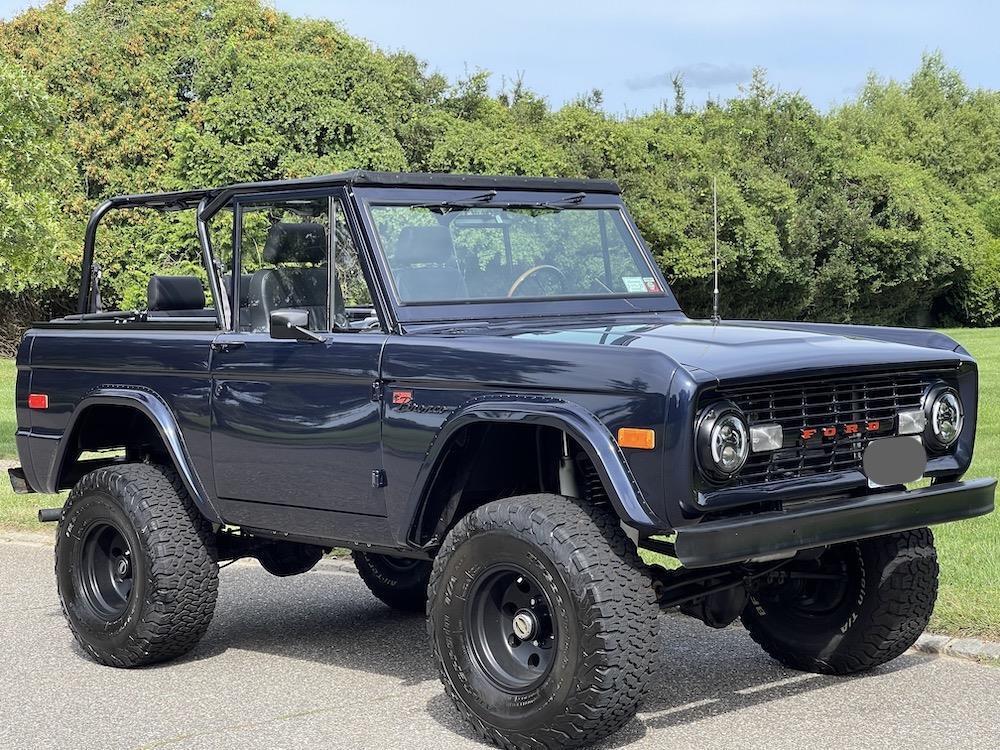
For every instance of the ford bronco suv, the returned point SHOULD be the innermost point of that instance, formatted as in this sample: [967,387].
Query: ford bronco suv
[484,387]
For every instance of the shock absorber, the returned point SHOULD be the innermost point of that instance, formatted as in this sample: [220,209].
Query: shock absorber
[568,486]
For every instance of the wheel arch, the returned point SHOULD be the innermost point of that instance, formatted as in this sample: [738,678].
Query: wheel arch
[157,417]
[578,424]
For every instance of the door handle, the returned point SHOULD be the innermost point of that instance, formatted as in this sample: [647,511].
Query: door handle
[227,346]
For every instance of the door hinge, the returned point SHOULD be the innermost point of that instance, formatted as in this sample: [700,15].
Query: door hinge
[378,391]
[378,478]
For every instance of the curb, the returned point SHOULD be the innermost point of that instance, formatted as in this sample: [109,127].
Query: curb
[962,648]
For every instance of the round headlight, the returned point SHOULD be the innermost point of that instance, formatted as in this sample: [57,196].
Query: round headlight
[723,440]
[945,417]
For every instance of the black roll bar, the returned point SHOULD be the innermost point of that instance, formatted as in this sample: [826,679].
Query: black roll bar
[179,201]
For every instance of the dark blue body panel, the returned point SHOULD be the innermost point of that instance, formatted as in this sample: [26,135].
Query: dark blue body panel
[70,365]
[285,435]
[295,424]
[449,374]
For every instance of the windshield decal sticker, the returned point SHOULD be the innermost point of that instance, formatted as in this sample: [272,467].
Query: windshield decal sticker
[634,284]
[651,284]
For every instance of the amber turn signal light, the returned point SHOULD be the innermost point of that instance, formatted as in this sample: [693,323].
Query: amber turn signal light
[636,437]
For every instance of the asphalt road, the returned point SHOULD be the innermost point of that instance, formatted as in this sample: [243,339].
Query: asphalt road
[315,661]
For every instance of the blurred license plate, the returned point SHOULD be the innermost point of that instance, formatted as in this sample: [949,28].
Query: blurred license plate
[894,460]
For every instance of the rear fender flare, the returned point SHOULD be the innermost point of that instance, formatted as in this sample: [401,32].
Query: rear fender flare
[579,423]
[148,403]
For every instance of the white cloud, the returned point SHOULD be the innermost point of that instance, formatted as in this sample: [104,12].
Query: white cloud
[701,75]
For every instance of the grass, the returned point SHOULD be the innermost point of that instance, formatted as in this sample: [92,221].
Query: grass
[969,598]
[8,424]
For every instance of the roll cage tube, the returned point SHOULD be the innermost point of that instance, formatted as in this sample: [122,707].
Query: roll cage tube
[164,202]
[220,294]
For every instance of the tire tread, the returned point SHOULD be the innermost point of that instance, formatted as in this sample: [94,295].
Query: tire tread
[180,549]
[616,604]
[902,603]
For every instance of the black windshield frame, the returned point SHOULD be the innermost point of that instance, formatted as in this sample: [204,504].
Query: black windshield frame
[526,307]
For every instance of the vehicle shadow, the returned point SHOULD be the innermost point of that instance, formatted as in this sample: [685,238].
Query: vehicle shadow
[328,617]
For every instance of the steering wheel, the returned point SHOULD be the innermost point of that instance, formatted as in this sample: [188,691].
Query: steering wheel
[531,272]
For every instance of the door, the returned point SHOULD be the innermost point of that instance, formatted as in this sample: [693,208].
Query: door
[294,423]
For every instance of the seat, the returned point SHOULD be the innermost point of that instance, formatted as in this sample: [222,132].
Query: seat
[290,287]
[425,266]
[243,291]
[176,297]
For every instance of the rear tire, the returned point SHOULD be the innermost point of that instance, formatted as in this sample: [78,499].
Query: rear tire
[135,566]
[876,601]
[543,622]
[399,582]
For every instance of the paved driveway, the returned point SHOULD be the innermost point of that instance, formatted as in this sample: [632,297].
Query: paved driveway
[315,661]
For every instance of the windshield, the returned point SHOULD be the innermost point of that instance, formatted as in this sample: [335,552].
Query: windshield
[458,253]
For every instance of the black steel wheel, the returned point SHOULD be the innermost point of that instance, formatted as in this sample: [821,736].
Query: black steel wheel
[104,570]
[543,622]
[511,633]
[854,607]
[399,582]
[135,566]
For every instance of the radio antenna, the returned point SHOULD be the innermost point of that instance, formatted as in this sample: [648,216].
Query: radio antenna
[715,223]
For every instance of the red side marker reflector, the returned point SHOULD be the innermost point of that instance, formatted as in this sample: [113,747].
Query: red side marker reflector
[38,401]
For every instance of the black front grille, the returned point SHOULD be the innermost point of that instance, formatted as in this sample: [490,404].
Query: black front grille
[815,403]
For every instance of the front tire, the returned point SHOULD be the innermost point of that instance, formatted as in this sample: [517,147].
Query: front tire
[135,566]
[859,605]
[543,622]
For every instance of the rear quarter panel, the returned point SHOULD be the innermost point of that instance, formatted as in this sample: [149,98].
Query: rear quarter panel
[67,365]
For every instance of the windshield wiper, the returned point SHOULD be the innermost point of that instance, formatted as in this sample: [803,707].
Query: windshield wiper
[557,205]
[445,206]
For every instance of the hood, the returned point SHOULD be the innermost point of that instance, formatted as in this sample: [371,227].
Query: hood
[745,349]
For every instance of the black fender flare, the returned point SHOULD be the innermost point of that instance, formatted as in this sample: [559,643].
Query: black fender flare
[151,405]
[579,423]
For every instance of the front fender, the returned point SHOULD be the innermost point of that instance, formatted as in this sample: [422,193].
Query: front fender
[162,418]
[580,424]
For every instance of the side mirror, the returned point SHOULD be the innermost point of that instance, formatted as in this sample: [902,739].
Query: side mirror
[292,324]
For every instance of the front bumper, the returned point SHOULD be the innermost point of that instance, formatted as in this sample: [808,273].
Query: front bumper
[776,534]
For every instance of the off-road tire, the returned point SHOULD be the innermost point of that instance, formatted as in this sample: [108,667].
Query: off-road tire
[398,582]
[175,577]
[894,586]
[607,643]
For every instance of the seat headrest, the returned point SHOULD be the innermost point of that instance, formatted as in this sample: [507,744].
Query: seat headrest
[165,293]
[292,242]
[424,245]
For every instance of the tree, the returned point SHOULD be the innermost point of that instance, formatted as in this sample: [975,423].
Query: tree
[886,210]
[34,182]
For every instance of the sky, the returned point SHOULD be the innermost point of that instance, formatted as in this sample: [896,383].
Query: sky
[631,50]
